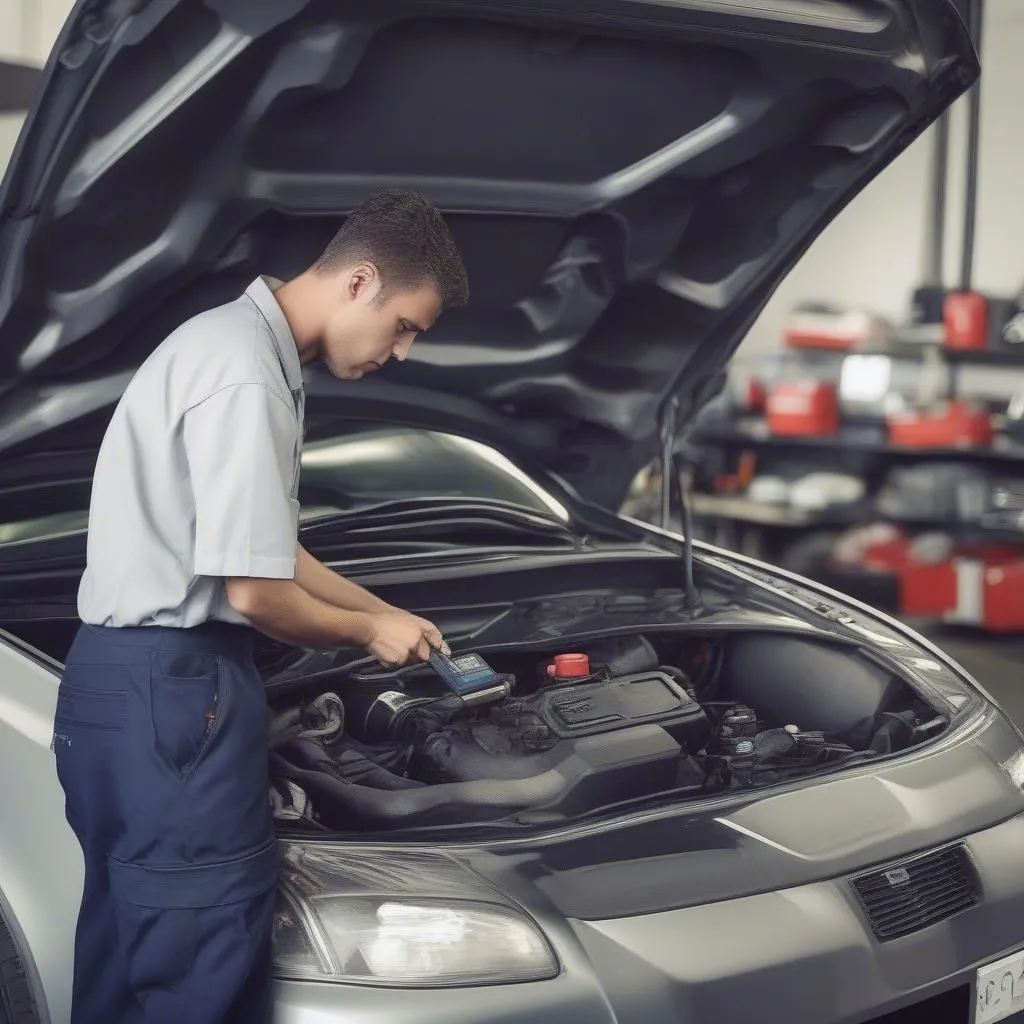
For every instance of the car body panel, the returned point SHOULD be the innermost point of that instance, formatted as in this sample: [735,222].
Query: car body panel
[803,955]
[803,947]
[41,868]
[698,855]
[616,897]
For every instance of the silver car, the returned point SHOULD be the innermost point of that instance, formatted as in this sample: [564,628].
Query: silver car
[658,783]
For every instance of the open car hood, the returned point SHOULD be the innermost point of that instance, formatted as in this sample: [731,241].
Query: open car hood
[629,182]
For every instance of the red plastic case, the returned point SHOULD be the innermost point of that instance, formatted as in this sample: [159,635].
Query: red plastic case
[959,425]
[803,409]
[966,316]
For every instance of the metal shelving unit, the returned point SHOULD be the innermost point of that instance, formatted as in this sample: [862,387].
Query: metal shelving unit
[753,433]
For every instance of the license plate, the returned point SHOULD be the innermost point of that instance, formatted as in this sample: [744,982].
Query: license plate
[1000,990]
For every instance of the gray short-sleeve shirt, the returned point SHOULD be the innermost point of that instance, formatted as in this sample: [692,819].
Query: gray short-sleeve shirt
[198,474]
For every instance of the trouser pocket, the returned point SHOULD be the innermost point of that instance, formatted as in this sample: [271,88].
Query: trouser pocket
[196,939]
[89,736]
[185,691]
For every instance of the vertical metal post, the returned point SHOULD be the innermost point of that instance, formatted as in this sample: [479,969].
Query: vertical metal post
[973,145]
[935,242]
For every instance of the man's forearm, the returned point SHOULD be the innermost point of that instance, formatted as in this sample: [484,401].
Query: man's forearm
[283,610]
[326,585]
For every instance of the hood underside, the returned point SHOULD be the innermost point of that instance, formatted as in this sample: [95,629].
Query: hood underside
[629,182]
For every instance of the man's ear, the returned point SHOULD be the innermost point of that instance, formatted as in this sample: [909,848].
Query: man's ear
[363,281]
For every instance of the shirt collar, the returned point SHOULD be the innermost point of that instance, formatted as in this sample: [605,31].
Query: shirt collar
[261,291]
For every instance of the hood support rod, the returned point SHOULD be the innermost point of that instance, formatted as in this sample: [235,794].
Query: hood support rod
[685,476]
[676,475]
[669,423]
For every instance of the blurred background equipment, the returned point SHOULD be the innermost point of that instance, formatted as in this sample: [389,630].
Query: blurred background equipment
[879,451]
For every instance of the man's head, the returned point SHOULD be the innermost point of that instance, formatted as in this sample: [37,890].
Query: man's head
[388,274]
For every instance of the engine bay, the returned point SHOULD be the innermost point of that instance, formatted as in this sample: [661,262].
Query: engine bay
[536,737]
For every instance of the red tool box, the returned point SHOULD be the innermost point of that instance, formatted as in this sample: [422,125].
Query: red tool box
[803,409]
[990,594]
[957,425]
[755,395]
[966,316]
[928,591]
[925,573]
[880,548]
[979,586]
[1002,603]
[820,326]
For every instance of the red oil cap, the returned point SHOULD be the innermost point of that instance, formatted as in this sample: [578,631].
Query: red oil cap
[570,666]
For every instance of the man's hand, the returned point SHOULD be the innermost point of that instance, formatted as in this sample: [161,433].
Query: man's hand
[399,638]
[393,636]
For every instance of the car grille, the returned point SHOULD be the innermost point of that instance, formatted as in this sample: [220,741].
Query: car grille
[908,895]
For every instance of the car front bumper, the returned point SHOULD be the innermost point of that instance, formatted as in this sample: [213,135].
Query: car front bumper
[804,955]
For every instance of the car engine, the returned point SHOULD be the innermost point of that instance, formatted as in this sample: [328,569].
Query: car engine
[557,740]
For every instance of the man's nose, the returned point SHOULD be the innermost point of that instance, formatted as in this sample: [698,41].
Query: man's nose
[401,350]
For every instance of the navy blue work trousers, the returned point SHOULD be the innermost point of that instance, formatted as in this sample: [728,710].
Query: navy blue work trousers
[161,746]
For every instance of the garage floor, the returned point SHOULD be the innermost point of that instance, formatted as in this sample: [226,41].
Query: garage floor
[997,663]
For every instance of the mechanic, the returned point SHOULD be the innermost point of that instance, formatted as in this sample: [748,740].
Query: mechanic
[161,728]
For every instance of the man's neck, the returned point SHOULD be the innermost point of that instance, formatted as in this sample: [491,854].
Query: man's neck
[300,301]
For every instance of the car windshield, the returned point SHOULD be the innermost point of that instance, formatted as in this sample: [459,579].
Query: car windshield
[371,465]
[361,466]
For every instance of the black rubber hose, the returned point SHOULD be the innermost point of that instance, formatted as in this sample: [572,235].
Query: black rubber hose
[342,804]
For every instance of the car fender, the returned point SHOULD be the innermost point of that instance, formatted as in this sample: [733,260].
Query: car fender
[41,867]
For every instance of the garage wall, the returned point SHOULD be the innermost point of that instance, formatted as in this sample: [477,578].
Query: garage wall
[49,17]
[15,42]
[28,29]
[873,252]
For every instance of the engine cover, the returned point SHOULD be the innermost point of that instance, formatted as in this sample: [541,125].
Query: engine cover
[646,698]
[523,737]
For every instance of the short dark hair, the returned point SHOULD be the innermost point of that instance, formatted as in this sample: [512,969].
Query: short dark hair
[405,237]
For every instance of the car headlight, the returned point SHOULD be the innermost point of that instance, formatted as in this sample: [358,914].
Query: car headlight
[400,919]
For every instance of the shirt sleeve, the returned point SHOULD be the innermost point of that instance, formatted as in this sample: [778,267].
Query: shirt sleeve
[241,444]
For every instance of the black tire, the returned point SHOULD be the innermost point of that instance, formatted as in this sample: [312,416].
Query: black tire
[16,1003]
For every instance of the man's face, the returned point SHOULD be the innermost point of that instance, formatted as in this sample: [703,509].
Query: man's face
[369,325]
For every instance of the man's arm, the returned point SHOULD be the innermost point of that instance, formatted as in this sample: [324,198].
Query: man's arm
[283,610]
[327,586]
[245,527]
